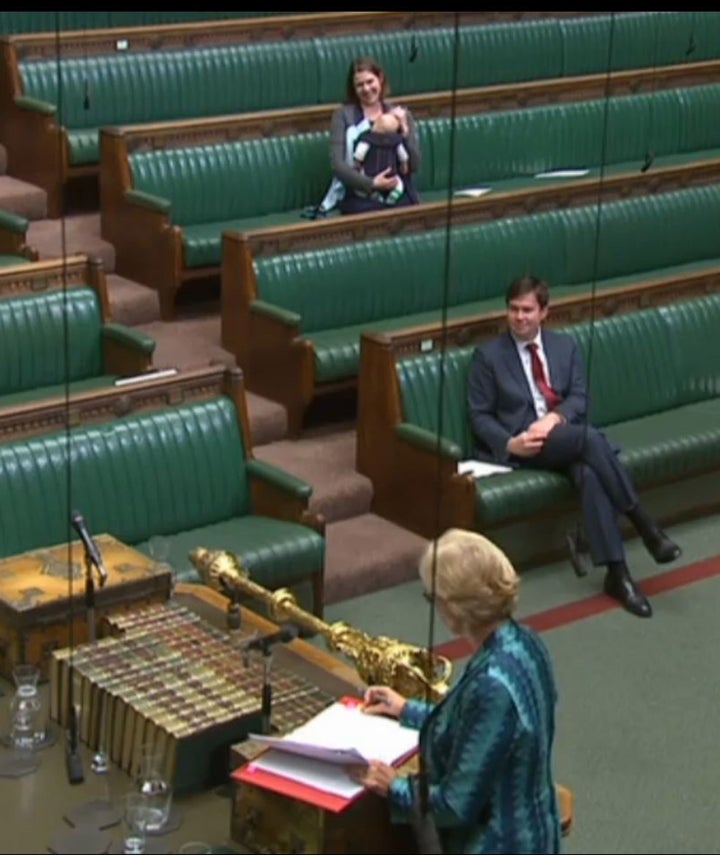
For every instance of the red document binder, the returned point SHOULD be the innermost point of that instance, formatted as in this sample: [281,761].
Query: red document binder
[250,773]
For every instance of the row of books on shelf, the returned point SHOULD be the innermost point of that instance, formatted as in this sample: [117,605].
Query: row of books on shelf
[162,678]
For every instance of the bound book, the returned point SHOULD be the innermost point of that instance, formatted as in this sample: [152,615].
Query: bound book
[310,763]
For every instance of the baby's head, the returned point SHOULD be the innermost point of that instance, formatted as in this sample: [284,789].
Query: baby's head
[386,123]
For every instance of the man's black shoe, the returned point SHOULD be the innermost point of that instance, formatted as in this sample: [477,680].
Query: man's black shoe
[659,545]
[619,585]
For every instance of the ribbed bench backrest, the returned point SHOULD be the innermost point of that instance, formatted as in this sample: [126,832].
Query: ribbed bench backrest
[157,473]
[124,88]
[696,346]
[346,285]
[504,144]
[635,40]
[389,278]
[666,357]
[420,380]
[647,232]
[49,338]
[49,21]
[629,367]
[212,183]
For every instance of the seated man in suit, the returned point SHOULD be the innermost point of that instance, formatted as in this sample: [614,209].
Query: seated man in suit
[527,398]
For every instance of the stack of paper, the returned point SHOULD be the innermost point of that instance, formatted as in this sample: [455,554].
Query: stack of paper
[315,755]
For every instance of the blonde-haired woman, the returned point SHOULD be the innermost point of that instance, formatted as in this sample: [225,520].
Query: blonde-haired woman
[487,746]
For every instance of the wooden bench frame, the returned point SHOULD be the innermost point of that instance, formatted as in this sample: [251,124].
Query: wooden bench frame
[101,405]
[406,478]
[68,272]
[279,362]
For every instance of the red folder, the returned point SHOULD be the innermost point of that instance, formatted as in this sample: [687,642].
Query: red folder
[250,773]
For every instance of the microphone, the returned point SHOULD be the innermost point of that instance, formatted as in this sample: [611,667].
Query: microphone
[265,642]
[90,546]
[413,49]
[649,158]
[73,760]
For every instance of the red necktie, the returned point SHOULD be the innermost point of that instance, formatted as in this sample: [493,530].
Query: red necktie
[552,399]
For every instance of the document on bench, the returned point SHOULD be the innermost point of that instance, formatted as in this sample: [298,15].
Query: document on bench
[316,753]
[563,173]
[473,192]
[480,468]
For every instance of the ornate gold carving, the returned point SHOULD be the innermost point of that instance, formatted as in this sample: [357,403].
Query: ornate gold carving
[412,671]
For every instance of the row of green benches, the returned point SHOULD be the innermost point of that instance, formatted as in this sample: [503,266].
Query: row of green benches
[171,457]
[56,337]
[165,210]
[49,21]
[162,85]
[295,322]
[654,386]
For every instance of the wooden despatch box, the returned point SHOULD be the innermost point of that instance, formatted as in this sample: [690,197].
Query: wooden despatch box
[43,607]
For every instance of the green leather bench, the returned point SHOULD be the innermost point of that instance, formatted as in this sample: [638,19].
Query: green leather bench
[129,88]
[654,382]
[184,472]
[295,329]
[48,21]
[604,136]
[55,342]
[198,192]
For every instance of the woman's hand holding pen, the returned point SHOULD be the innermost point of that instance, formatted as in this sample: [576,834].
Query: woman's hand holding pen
[381,700]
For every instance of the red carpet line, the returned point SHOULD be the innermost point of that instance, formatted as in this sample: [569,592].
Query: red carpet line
[558,616]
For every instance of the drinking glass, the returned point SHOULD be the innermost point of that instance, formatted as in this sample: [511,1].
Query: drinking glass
[155,787]
[27,724]
[135,820]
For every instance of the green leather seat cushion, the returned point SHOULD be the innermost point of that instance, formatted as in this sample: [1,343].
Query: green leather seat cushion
[655,448]
[11,260]
[273,551]
[202,243]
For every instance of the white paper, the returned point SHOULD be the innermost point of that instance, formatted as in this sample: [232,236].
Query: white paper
[316,752]
[336,756]
[481,469]
[474,192]
[563,173]
[313,773]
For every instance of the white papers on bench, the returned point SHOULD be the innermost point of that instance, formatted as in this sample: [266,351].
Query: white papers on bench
[481,469]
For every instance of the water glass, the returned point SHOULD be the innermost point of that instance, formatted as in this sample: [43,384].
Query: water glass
[135,820]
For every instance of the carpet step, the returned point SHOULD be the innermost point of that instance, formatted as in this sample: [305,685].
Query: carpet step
[130,302]
[22,198]
[326,460]
[368,553]
[77,233]
[187,343]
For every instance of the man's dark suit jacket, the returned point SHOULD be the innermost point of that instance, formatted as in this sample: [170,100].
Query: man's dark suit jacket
[500,400]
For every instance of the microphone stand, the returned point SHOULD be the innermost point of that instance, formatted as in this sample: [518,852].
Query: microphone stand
[98,813]
[267,692]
